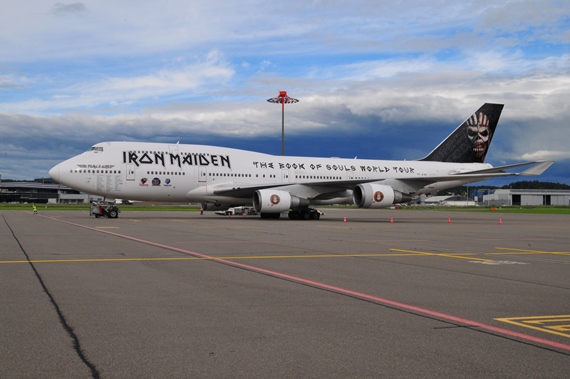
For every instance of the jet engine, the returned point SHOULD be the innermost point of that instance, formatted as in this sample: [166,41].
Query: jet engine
[274,201]
[369,195]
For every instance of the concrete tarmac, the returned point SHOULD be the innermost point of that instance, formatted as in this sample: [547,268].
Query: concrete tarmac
[174,294]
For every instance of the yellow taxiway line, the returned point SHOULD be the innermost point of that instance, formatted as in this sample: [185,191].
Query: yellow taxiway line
[205,259]
[397,253]
[513,251]
[443,255]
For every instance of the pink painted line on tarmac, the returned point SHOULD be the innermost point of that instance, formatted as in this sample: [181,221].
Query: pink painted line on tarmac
[340,290]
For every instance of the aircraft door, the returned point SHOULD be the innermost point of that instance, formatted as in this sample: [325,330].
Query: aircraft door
[203,174]
[173,149]
[130,172]
[286,176]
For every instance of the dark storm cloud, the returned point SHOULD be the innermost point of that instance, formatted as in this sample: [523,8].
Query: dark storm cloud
[73,8]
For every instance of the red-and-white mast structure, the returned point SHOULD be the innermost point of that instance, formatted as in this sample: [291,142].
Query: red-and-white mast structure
[283,99]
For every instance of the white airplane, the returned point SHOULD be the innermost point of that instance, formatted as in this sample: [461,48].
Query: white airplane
[220,177]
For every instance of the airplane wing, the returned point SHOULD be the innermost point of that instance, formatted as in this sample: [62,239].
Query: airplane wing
[320,188]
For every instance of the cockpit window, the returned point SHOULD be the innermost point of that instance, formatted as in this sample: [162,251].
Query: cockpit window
[97,148]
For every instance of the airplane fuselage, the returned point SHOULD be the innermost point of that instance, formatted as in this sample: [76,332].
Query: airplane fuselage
[220,176]
[180,172]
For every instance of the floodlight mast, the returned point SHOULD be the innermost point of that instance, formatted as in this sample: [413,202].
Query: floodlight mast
[283,98]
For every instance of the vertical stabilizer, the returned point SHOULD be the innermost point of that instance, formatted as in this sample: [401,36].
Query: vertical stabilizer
[470,142]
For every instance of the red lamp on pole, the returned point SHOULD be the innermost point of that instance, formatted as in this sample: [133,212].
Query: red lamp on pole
[283,99]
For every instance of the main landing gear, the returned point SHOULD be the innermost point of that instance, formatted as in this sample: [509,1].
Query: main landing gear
[270,215]
[305,214]
[297,214]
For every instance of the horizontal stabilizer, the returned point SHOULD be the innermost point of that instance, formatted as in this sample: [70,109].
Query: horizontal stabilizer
[503,169]
[537,170]
[495,172]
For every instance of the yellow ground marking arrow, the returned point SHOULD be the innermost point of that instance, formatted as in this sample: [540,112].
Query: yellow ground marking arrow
[542,323]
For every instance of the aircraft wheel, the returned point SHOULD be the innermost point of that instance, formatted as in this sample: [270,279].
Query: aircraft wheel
[292,215]
[316,216]
[306,215]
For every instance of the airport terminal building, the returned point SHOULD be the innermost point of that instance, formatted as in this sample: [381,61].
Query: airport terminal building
[42,191]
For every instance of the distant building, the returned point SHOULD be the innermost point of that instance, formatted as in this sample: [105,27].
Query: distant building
[478,194]
[42,191]
[524,197]
[449,200]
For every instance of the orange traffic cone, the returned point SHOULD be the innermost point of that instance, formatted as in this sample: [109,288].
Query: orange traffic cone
[391,220]
[500,221]
[345,219]
[449,220]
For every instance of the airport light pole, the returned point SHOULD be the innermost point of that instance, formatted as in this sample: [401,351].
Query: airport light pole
[283,99]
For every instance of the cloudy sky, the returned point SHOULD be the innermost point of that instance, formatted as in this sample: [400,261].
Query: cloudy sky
[375,79]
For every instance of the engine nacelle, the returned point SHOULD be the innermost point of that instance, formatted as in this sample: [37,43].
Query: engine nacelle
[275,201]
[369,195]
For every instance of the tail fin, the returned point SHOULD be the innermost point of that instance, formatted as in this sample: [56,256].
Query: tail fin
[470,142]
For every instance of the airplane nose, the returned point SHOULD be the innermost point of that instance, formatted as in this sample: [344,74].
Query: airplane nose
[54,173]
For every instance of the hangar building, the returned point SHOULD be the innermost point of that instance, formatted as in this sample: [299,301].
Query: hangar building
[524,197]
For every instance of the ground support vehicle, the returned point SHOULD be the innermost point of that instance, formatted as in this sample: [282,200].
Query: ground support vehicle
[109,210]
[235,211]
